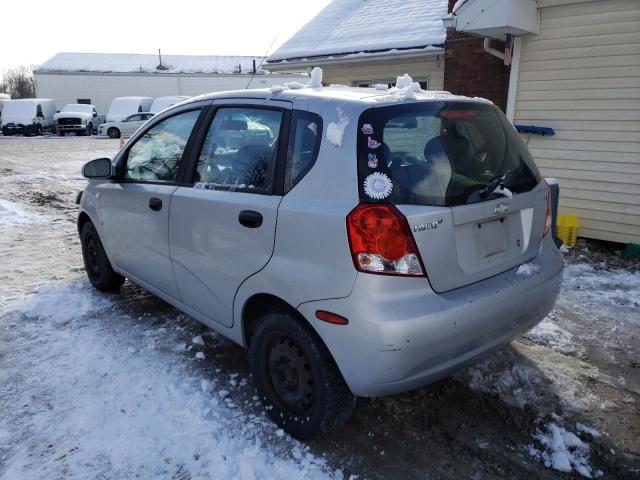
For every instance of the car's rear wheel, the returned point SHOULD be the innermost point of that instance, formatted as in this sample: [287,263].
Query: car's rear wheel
[113,132]
[297,379]
[96,263]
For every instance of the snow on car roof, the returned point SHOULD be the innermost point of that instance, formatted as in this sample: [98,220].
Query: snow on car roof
[142,63]
[354,26]
[340,93]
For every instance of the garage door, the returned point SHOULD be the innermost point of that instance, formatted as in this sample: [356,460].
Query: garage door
[581,76]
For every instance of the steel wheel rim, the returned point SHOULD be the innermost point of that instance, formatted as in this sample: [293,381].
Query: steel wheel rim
[290,374]
[93,258]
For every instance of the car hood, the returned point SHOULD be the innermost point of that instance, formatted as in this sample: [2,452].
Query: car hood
[82,115]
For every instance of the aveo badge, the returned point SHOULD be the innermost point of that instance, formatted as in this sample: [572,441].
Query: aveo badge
[428,226]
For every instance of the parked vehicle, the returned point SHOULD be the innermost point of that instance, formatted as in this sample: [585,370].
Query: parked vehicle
[28,116]
[161,103]
[126,127]
[122,107]
[78,118]
[4,97]
[357,242]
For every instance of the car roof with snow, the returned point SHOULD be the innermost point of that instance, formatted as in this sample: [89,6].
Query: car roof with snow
[340,93]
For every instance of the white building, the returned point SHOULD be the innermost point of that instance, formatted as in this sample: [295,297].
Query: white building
[98,78]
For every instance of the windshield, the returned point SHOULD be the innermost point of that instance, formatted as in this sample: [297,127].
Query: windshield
[441,154]
[78,107]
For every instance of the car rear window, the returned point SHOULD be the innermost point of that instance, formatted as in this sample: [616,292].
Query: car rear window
[441,154]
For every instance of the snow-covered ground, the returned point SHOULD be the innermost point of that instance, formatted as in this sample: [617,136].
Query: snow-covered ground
[124,386]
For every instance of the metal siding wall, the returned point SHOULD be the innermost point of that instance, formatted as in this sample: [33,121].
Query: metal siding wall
[376,71]
[581,76]
[102,88]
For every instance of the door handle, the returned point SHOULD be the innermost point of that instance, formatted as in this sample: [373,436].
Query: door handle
[155,204]
[250,218]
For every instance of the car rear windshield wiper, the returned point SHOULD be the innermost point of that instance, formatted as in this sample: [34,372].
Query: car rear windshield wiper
[490,187]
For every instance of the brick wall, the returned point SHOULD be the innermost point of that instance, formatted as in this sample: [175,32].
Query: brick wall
[469,70]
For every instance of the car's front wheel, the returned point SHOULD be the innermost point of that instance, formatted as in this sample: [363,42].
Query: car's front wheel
[89,130]
[297,379]
[96,263]
[113,132]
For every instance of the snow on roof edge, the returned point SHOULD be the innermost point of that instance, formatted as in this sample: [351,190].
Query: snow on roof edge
[147,63]
[352,26]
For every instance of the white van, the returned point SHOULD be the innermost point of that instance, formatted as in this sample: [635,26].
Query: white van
[122,107]
[161,103]
[28,116]
[4,97]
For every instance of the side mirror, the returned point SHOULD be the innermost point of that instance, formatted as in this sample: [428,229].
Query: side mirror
[99,168]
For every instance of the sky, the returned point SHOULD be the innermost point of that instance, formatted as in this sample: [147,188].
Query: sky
[34,31]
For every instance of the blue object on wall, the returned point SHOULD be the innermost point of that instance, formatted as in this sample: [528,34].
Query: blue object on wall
[532,129]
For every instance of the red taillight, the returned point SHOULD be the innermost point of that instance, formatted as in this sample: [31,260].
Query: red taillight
[331,317]
[381,241]
[549,219]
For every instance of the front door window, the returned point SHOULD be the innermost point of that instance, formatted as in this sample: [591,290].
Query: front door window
[155,156]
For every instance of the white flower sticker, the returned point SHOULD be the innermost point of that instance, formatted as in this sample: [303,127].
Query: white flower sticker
[378,186]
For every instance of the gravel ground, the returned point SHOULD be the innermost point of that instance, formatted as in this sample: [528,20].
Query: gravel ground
[122,386]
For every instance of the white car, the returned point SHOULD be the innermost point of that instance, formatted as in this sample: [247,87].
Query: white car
[78,118]
[126,127]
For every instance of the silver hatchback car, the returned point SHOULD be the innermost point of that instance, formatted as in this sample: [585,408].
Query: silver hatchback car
[358,242]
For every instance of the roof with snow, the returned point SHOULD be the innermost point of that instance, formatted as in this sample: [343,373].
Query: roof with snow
[358,27]
[142,63]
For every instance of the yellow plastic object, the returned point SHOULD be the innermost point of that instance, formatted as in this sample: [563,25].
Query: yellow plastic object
[567,229]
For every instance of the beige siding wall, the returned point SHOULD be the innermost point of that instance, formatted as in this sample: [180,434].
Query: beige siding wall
[101,89]
[581,76]
[429,68]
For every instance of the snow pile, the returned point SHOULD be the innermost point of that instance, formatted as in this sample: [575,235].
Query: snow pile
[600,286]
[316,78]
[137,63]
[551,335]
[528,269]
[354,26]
[405,88]
[504,374]
[562,451]
[13,214]
[335,130]
[63,303]
[106,396]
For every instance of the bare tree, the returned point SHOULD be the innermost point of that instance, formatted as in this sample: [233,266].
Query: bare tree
[18,82]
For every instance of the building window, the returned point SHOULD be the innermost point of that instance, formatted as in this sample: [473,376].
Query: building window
[424,83]
[84,101]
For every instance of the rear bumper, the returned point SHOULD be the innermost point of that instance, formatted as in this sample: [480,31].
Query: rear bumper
[401,335]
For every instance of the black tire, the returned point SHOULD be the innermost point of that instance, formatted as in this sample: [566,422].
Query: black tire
[113,132]
[96,263]
[297,379]
[89,131]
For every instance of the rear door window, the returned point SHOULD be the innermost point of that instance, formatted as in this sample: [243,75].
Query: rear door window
[440,153]
[240,150]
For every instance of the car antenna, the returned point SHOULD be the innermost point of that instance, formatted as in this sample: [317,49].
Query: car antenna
[255,70]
